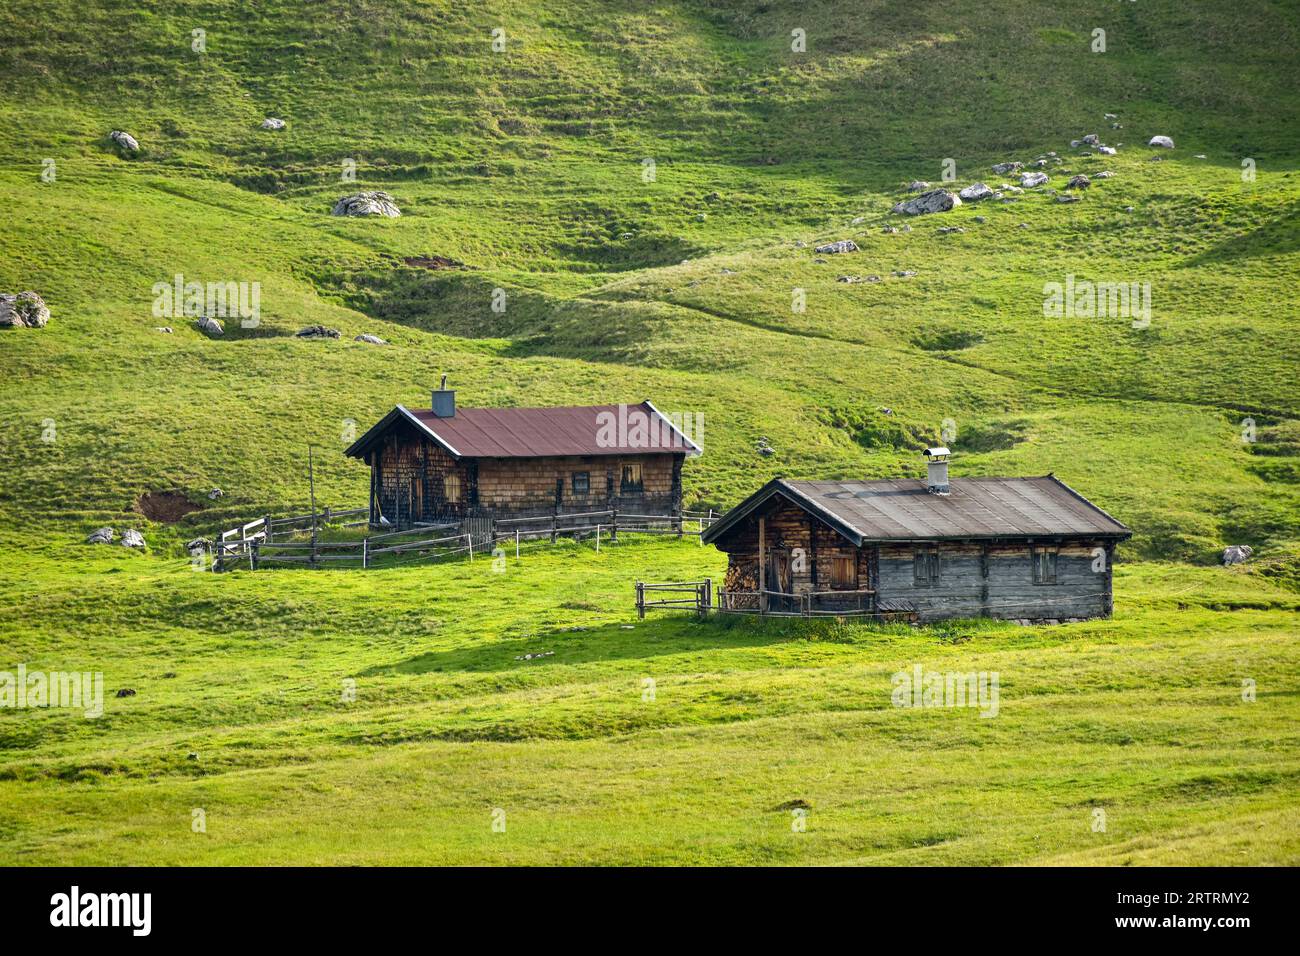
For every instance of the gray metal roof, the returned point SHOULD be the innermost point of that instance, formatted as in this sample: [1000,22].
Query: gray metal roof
[904,510]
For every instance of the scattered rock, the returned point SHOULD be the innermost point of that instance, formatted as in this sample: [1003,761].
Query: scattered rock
[936,200]
[1200,156]
[26,310]
[370,339]
[848,279]
[819,262]
[763,448]
[1003,168]
[1164,142]
[100,536]
[1033,180]
[1078,182]
[890,230]
[975,192]
[842,245]
[272,123]
[163,328]
[1106,150]
[191,756]
[981,220]
[1067,197]
[1022,225]
[1237,553]
[209,326]
[904,274]
[126,692]
[1104,174]
[215,493]
[1040,163]
[800,244]
[1110,116]
[367,204]
[1128,208]
[944,230]
[316,332]
[124,141]
[886,410]
[533,657]
[132,538]
[917,187]
[625,235]
[701,216]
[1092,139]
[859,220]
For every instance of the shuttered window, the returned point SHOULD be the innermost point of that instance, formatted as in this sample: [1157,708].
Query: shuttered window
[1043,561]
[925,569]
[451,487]
[631,483]
[581,482]
[843,573]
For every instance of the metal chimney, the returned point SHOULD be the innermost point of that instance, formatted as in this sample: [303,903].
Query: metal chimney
[936,470]
[444,401]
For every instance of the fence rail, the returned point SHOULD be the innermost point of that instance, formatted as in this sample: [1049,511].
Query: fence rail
[254,543]
[763,603]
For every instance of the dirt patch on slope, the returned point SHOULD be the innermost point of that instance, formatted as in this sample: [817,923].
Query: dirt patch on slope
[433,262]
[166,507]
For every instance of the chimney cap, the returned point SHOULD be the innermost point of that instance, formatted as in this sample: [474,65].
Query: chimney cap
[938,453]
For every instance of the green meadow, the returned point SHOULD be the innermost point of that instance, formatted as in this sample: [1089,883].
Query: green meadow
[643,185]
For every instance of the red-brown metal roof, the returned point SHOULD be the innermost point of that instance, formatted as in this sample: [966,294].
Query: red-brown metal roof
[585,430]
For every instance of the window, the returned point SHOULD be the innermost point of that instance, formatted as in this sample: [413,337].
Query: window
[581,482]
[925,569]
[631,483]
[451,487]
[844,573]
[1044,564]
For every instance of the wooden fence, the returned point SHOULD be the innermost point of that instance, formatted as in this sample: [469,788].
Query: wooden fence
[762,603]
[254,544]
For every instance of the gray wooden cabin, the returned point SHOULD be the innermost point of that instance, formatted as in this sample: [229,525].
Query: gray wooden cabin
[1029,549]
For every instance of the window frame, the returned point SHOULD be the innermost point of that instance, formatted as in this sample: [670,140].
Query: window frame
[449,480]
[848,583]
[626,487]
[929,558]
[1039,567]
[586,482]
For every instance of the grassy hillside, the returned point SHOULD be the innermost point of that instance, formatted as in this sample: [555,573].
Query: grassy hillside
[528,166]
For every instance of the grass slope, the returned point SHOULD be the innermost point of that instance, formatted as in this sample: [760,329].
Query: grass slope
[528,166]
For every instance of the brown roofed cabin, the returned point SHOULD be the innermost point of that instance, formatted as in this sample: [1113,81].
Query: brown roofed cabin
[1029,549]
[449,464]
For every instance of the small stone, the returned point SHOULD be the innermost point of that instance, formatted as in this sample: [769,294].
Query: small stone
[210,326]
[945,230]
[375,203]
[1104,174]
[1078,182]
[369,339]
[905,273]
[1237,553]
[917,186]
[26,310]
[848,279]
[316,332]
[1067,197]
[1164,142]
[1003,168]
[841,245]
[272,123]
[100,536]
[215,493]
[126,692]
[1092,139]
[124,141]
[936,200]
[132,538]
[1106,150]
[890,230]
[1033,180]
[975,192]
[167,329]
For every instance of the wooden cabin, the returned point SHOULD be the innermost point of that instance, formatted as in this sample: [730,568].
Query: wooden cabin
[448,464]
[1029,549]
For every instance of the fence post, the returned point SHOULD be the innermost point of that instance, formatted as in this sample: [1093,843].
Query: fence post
[252,555]
[267,519]
[554,525]
[678,519]
[516,544]
[365,553]
[613,530]
[640,600]
[470,539]
[326,519]
[598,538]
